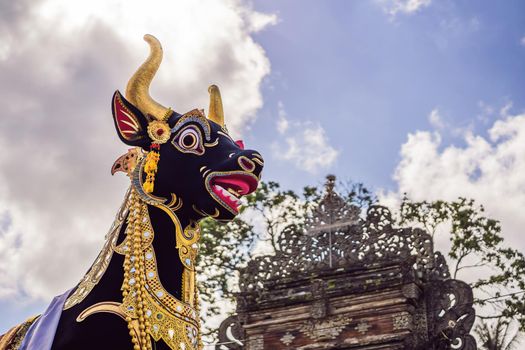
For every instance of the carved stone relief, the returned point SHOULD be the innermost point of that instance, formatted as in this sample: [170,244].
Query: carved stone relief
[402,320]
[325,329]
[362,327]
[287,339]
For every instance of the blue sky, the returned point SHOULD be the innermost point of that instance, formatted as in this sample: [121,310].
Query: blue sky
[418,96]
[370,79]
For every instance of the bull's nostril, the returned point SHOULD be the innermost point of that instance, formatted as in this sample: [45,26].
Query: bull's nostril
[258,161]
[246,164]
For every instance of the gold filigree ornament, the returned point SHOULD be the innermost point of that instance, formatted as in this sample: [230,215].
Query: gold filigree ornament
[159,131]
[97,270]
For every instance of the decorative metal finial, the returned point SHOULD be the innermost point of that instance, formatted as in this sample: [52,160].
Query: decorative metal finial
[330,183]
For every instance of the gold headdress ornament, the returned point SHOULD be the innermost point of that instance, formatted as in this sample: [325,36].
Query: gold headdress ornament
[215,112]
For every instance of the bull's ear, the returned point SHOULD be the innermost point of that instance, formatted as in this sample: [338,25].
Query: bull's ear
[130,123]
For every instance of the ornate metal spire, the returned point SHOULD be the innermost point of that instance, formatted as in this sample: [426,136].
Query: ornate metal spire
[333,212]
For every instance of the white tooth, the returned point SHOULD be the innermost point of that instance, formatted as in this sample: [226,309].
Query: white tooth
[223,191]
[227,194]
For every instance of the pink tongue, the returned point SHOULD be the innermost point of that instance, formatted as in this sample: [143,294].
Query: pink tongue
[237,184]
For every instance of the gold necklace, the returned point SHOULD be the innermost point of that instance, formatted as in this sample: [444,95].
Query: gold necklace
[148,307]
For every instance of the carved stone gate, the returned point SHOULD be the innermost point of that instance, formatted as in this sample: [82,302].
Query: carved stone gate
[350,283]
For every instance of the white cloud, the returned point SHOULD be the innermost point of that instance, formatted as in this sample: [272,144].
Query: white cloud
[210,41]
[282,122]
[504,111]
[438,122]
[257,21]
[393,7]
[489,170]
[305,144]
[435,119]
[63,60]
[486,112]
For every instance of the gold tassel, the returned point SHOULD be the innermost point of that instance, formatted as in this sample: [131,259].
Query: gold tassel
[152,160]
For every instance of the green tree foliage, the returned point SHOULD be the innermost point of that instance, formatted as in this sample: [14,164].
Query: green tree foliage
[477,249]
[498,335]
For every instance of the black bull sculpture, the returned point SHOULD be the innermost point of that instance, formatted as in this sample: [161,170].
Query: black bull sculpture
[141,291]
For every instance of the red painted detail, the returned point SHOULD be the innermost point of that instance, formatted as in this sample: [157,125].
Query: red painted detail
[241,184]
[160,132]
[155,146]
[127,123]
[240,143]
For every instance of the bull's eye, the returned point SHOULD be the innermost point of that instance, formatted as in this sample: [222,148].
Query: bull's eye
[189,140]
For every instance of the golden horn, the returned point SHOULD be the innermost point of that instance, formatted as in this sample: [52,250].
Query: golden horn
[137,90]
[215,112]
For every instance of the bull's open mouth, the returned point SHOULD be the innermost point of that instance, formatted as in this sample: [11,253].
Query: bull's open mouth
[228,187]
